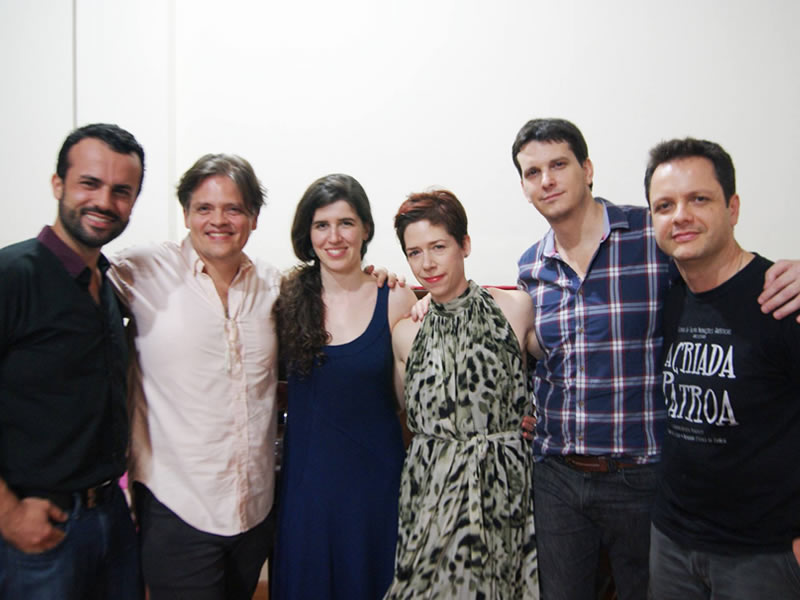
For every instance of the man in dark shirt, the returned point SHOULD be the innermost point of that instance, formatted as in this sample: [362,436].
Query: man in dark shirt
[725,522]
[65,528]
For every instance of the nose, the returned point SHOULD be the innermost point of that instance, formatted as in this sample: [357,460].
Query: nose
[102,197]
[427,261]
[218,216]
[547,179]
[682,213]
[335,233]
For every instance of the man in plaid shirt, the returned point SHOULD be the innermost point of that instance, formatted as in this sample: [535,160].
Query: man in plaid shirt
[598,281]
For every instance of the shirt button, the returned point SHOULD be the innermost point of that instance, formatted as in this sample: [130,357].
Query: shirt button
[580,329]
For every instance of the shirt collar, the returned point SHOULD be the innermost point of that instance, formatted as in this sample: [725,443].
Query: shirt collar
[613,218]
[616,218]
[67,256]
[197,265]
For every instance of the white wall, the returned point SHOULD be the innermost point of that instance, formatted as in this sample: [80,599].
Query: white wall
[404,96]
[36,108]
[124,69]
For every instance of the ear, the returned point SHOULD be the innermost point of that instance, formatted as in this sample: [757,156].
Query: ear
[466,246]
[253,222]
[58,186]
[186,218]
[588,171]
[733,209]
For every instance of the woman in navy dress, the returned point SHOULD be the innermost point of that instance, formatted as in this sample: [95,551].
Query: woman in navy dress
[343,449]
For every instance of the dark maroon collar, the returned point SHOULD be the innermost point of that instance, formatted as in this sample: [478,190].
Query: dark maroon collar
[67,256]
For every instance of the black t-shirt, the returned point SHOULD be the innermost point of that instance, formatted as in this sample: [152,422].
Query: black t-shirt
[730,479]
[63,416]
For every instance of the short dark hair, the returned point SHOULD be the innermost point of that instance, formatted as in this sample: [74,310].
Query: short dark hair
[687,148]
[324,191]
[440,207]
[236,168]
[550,130]
[114,136]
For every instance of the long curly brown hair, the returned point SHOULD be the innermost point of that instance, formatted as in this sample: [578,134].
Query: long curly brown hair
[300,311]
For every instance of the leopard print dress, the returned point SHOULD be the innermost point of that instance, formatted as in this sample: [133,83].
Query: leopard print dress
[466,497]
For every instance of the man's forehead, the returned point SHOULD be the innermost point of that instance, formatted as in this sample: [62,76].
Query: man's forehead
[219,189]
[546,149]
[94,152]
[685,175]
[685,166]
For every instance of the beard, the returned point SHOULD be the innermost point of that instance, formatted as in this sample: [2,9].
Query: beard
[71,221]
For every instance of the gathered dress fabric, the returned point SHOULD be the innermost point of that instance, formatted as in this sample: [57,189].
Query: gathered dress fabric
[466,499]
[340,480]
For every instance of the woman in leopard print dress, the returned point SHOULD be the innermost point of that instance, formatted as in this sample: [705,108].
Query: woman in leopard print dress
[466,499]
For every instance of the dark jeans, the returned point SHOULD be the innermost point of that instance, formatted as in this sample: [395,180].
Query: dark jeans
[683,574]
[97,559]
[576,513]
[181,562]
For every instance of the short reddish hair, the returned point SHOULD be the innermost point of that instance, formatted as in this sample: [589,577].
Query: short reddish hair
[440,207]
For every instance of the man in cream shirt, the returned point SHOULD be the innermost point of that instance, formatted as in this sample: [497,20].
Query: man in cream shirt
[204,416]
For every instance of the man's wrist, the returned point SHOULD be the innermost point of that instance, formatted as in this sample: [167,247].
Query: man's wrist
[8,503]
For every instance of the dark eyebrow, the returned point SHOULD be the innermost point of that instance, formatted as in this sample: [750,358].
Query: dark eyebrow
[120,187]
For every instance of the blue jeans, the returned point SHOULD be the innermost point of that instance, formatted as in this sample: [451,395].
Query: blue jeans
[97,559]
[684,574]
[576,513]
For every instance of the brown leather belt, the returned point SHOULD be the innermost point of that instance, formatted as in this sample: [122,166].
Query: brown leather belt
[596,464]
[89,498]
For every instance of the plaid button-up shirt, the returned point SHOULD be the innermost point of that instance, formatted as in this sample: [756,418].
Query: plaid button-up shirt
[598,388]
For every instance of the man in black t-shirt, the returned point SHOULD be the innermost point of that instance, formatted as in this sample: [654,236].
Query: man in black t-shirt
[726,520]
[65,527]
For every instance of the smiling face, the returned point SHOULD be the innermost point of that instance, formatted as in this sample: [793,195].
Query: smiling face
[337,234]
[690,217]
[96,196]
[553,180]
[436,259]
[218,222]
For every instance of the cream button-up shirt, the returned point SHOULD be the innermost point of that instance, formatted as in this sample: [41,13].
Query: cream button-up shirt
[204,414]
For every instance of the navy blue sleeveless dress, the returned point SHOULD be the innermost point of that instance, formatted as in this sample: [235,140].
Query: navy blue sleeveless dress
[343,454]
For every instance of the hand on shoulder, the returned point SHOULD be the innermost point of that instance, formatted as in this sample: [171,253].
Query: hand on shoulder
[781,294]
[383,275]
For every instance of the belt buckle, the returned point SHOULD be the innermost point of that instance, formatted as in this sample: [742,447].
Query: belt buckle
[91,497]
